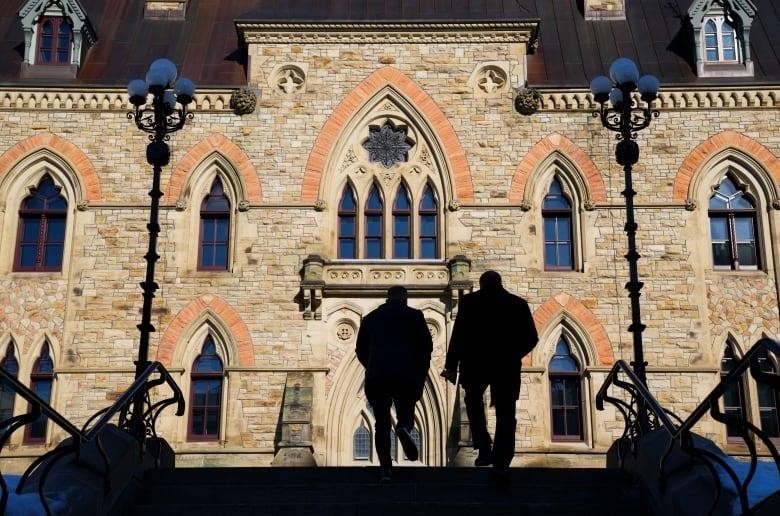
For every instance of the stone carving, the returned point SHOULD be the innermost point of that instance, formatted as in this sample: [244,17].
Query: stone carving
[387,145]
[525,205]
[690,204]
[491,80]
[243,101]
[344,331]
[453,205]
[527,101]
[289,79]
[243,205]
[320,205]
[589,205]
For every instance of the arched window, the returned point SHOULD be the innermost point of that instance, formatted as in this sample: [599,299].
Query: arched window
[565,394]
[733,228]
[768,398]
[402,224]
[361,443]
[41,235]
[214,229]
[374,226]
[206,394]
[347,227]
[55,35]
[720,40]
[429,224]
[7,394]
[557,217]
[41,382]
[415,434]
[734,398]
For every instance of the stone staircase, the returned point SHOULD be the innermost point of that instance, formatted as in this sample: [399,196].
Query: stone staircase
[413,491]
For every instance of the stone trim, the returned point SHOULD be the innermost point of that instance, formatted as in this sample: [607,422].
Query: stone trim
[548,312]
[703,152]
[190,313]
[544,148]
[552,99]
[216,143]
[255,32]
[79,162]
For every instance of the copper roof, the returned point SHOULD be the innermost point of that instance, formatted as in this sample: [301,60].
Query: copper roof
[571,50]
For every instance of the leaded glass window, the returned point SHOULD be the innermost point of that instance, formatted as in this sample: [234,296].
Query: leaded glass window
[41,383]
[206,394]
[41,234]
[557,217]
[565,394]
[214,229]
[733,228]
[347,226]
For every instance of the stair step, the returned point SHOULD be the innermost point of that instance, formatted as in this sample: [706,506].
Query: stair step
[356,491]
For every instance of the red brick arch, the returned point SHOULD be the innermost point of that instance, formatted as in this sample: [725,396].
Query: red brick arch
[207,147]
[539,152]
[707,149]
[78,161]
[549,311]
[425,105]
[191,313]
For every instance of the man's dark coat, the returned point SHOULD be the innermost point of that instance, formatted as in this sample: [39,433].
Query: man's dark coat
[493,331]
[395,345]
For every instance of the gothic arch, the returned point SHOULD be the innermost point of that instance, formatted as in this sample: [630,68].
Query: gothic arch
[59,152]
[216,147]
[207,307]
[727,144]
[563,307]
[394,81]
[570,155]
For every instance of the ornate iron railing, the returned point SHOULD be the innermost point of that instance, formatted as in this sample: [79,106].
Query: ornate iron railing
[121,410]
[639,424]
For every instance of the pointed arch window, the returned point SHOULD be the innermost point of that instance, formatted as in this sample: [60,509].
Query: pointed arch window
[347,227]
[734,401]
[557,217]
[374,224]
[206,394]
[7,394]
[429,224]
[214,229]
[361,442]
[41,234]
[720,40]
[55,35]
[41,383]
[402,224]
[768,398]
[565,394]
[733,228]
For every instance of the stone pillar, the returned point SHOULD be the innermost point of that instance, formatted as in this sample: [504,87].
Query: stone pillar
[295,447]
[605,9]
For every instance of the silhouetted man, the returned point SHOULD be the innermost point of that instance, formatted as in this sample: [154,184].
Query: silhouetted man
[493,331]
[394,345]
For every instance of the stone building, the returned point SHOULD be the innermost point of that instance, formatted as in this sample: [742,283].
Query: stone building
[338,148]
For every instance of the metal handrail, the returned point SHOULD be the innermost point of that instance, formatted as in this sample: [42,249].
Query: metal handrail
[639,424]
[91,430]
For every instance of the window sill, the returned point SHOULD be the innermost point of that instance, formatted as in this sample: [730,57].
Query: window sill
[724,69]
[38,71]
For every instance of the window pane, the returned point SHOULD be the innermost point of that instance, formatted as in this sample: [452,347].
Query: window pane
[55,229]
[361,444]
[31,228]
[564,255]
[401,226]
[427,248]
[401,248]
[52,255]
[746,252]
[346,248]
[557,386]
[744,228]
[373,248]
[428,225]
[222,228]
[347,226]
[721,254]
[719,229]
[374,225]
[558,422]
[549,229]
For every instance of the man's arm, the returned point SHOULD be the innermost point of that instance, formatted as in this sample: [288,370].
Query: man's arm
[457,342]
[362,345]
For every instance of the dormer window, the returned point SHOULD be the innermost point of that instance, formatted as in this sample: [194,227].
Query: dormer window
[55,37]
[721,31]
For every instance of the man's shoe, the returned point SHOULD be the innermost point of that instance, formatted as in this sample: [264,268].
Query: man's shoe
[484,458]
[385,475]
[410,449]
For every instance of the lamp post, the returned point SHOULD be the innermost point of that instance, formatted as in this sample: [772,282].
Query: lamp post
[167,114]
[621,113]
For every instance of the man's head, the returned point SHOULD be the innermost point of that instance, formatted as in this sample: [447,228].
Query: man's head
[397,294]
[490,280]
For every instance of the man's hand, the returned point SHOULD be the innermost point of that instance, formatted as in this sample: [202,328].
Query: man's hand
[449,375]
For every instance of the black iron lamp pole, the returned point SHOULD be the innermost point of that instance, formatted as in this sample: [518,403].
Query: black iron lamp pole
[167,114]
[621,113]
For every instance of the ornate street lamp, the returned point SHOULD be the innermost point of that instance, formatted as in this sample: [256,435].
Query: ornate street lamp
[167,114]
[622,113]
